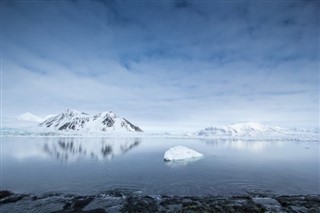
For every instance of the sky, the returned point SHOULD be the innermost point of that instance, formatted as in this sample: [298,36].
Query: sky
[163,65]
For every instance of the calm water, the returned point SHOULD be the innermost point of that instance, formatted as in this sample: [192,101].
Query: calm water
[92,165]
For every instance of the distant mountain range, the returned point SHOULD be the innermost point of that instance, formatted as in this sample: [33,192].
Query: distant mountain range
[72,120]
[240,129]
[29,117]
[254,130]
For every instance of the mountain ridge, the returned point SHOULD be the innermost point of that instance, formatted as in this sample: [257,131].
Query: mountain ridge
[241,129]
[73,120]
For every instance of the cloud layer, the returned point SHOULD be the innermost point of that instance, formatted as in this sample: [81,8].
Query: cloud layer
[164,64]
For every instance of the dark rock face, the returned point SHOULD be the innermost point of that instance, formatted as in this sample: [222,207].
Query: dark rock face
[108,122]
[64,126]
[137,129]
[123,201]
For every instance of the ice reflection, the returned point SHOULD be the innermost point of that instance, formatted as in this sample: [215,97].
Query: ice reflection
[181,163]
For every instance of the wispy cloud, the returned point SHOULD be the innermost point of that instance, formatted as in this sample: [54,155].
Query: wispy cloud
[164,64]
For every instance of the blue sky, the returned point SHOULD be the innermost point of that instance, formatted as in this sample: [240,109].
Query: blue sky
[164,64]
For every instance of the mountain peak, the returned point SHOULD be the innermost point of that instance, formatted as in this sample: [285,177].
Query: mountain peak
[28,116]
[74,112]
[73,120]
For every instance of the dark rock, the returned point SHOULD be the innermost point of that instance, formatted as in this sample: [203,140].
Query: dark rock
[98,210]
[64,126]
[108,121]
[127,201]
[140,204]
[137,129]
[12,198]
[4,194]
[77,203]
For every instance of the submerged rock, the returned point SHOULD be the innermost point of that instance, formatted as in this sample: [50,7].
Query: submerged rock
[181,153]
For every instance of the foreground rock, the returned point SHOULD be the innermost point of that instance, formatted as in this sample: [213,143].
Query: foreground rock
[180,153]
[121,201]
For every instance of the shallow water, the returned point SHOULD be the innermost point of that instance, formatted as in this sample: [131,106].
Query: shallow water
[93,165]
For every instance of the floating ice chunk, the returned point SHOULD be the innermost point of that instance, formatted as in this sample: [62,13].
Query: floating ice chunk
[181,163]
[180,153]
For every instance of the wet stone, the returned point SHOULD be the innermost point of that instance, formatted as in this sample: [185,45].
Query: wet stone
[268,203]
[107,203]
[77,203]
[12,198]
[140,204]
[4,194]
[131,202]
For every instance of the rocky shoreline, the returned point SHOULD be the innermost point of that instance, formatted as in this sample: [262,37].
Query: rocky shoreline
[121,201]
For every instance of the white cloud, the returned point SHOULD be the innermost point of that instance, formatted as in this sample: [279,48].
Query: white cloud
[162,66]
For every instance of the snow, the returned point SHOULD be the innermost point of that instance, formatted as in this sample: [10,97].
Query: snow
[180,153]
[78,123]
[258,131]
[29,117]
[243,129]
[48,116]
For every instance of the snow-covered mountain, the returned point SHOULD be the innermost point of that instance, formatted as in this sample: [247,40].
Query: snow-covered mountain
[241,129]
[72,120]
[29,117]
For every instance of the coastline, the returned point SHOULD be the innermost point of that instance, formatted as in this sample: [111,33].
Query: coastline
[123,201]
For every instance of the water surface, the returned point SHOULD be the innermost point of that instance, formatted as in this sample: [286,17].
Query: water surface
[93,165]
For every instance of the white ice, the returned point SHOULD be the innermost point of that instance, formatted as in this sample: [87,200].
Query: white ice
[181,153]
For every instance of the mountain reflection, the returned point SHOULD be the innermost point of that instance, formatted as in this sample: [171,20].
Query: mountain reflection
[72,149]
